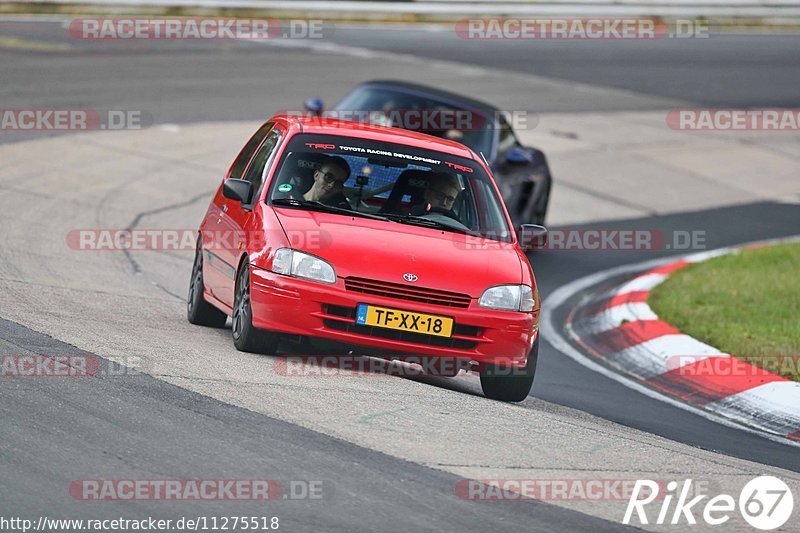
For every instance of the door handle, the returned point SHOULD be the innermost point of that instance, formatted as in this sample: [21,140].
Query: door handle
[224,208]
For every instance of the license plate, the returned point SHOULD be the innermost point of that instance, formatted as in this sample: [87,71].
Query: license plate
[382,317]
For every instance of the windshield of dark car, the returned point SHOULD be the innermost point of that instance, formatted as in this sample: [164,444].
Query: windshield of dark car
[425,114]
[396,182]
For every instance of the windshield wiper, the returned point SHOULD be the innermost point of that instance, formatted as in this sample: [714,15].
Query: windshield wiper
[428,223]
[325,208]
[312,205]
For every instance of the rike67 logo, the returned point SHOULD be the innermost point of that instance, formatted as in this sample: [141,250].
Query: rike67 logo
[765,503]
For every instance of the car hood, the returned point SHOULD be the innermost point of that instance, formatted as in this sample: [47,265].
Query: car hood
[385,251]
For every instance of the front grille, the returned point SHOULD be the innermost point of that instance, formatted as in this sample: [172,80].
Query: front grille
[404,292]
[405,336]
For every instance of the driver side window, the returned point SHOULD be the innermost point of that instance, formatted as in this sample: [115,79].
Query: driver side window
[247,152]
[256,170]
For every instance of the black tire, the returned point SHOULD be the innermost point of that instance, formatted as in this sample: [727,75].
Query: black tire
[497,384]
[246,338]
[198,310]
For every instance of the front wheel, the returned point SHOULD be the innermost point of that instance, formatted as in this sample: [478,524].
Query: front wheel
[506,384]
[246,338]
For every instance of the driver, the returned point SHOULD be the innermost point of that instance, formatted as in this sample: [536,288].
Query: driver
[328,183]
[442,190]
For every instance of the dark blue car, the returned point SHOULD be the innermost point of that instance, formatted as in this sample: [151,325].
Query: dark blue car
[521,172]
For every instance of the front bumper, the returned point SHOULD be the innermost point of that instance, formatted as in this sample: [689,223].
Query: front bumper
[306,308]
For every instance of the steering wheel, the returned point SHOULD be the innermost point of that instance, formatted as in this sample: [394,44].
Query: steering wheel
[446,212]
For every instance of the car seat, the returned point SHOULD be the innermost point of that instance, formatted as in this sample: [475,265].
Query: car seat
[410,183]
[300,166]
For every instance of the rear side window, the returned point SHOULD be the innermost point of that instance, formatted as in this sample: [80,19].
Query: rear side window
[247,152]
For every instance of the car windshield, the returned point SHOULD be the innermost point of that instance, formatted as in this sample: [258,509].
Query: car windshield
[392,182]
[425,114]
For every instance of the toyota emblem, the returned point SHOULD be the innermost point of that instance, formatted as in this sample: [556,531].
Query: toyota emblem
[409,277]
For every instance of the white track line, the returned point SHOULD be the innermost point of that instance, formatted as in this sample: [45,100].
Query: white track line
[658,356]
[774,397]
[616,316]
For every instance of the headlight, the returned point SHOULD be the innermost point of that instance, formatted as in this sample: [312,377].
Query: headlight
[293,263]
[508,298]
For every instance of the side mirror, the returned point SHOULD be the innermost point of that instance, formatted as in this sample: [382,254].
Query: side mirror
[239,190]
[314,105]
[532,237]
[518,156]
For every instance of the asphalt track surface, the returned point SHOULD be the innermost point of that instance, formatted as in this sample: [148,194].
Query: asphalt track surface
[721,70]
[200,81]
[141,425]
[136,426]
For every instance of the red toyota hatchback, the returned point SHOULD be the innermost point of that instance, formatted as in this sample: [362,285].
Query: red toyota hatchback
[383,241]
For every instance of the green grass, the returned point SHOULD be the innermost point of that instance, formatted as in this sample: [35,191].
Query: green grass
[746,304]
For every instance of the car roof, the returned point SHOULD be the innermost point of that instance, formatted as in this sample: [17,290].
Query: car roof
[439,94]
[347,128]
